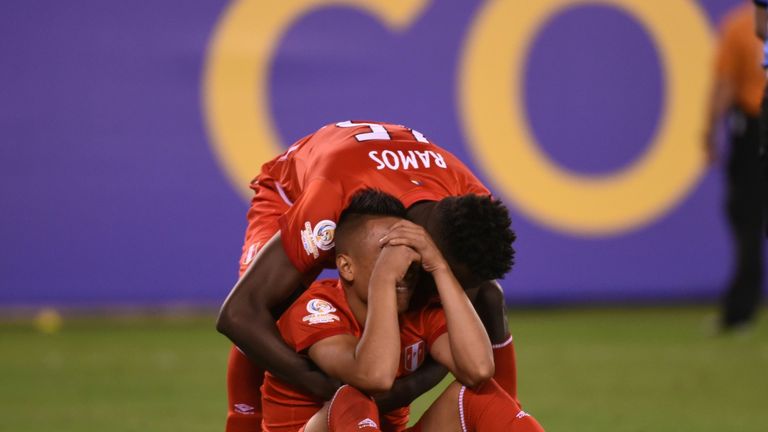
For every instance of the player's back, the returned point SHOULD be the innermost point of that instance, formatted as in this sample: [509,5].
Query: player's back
[352,155]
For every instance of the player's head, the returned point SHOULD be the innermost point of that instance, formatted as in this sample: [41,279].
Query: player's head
[475,235]
[367,218]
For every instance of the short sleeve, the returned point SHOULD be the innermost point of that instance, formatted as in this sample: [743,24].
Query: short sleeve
[469,183]
[433,319]
[473,186]
[308,227]
[311,319]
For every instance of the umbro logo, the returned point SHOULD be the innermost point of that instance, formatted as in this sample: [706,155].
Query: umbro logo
[244,408]
[367,423]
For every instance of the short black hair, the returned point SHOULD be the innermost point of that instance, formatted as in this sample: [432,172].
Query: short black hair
[372,202]
[477,232]
[365,202]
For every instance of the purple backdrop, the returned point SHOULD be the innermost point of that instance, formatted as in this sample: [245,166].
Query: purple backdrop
[112,194]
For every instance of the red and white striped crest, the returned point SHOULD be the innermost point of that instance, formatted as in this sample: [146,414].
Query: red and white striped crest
[413,356]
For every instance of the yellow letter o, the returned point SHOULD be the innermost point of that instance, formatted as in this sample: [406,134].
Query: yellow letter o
[492,69]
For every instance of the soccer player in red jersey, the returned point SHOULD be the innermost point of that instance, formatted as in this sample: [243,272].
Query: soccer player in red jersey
[298,198]
[361,330]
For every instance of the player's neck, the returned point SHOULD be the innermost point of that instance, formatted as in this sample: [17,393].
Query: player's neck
[356,305]
[425,214]
[422,213]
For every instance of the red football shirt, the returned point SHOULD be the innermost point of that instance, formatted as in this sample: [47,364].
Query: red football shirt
[317,176]
[320,312]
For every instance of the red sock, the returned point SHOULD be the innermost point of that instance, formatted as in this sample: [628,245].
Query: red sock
[351,410]
[244,393]
[506,367]
[490,409]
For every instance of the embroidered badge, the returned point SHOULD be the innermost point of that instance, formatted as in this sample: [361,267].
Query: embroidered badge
[323,234]
[307,241]
[318,238]
[413,356]
[320,311]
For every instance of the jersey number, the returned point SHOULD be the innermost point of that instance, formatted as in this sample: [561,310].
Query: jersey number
[378,132]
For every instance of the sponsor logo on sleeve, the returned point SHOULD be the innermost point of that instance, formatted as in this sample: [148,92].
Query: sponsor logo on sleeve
[320,311]
[318,238]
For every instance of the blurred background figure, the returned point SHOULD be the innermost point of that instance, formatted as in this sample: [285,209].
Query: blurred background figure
[761,29]
[736,94]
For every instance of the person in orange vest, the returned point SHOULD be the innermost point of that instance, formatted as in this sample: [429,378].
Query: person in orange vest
[736,95]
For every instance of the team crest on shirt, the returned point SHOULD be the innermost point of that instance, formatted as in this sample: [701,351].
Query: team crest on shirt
[320,311]
[413,356]
[318,238]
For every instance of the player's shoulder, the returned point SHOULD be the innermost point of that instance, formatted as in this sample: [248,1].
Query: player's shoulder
[326,289]
[322,298]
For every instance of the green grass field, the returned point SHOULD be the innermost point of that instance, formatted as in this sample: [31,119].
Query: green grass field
[628,370]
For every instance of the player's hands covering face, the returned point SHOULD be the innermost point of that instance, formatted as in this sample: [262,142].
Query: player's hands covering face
[407,233]
[396,260]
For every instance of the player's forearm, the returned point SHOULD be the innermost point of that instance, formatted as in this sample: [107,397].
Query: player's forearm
[378,352]
[406,389]
[246,320]
[470,345]
[256,335]
[258,338]
[490,307]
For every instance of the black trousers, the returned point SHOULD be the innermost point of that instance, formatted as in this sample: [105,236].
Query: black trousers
[744,207]
[763,154]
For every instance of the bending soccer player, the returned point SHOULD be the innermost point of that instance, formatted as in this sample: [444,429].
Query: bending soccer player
[298,198]
[362,331]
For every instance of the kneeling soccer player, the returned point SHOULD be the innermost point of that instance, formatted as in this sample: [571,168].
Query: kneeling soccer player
[361,331]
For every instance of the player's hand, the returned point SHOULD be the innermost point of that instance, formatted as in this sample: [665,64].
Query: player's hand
[407,233]
[319,384]
[395,261]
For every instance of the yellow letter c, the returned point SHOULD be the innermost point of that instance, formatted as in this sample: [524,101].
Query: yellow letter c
[236,93]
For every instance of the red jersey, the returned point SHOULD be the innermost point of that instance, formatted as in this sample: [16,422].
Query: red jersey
[320,312]
[317,176]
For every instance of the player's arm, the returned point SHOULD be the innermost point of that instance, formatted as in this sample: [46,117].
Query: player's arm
[488,300]
[465,350]
[761,18]
[370,363]
[406,389]
[246,319]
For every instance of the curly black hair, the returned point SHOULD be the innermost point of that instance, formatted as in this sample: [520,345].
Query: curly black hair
[477,233]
